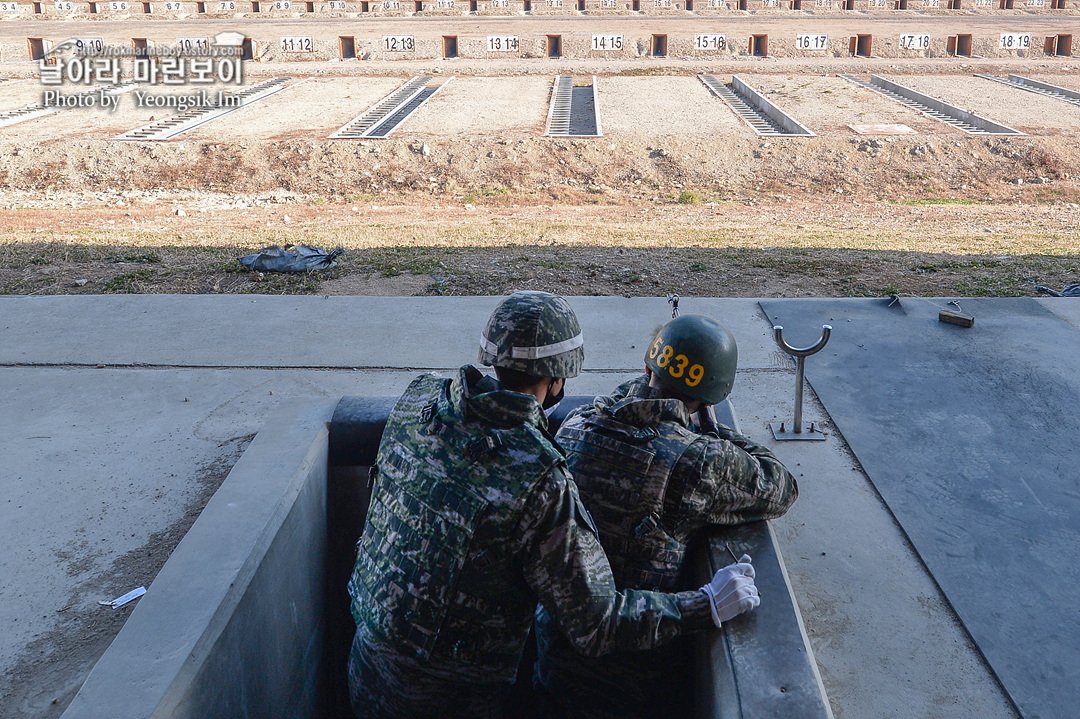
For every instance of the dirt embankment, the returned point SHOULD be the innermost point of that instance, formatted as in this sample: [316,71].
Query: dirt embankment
[598,170]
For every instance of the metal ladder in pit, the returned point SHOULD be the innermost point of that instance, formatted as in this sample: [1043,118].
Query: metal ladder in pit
[387,114]
[559,117]
[173,125]
[762,123]
[918,106]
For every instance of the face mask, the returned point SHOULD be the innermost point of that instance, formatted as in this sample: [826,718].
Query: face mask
[552,400]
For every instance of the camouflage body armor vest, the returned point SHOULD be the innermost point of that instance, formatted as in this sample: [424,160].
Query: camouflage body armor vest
[622,472]
[436,572]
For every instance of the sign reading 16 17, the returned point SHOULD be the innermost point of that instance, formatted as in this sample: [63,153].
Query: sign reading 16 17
[709,41]
[915,41]
[812,41]
[502,43]
[297,43]
[398,43]
[607,42]
[1015,40]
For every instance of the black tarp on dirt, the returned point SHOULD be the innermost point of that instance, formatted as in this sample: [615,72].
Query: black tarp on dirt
[972,437]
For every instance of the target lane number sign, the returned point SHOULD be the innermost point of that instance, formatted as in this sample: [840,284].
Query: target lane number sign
[915,41]
[502,43]
[607,42]
[1015,41]
[399,43]
[812,41]
[297,43]
[709,41]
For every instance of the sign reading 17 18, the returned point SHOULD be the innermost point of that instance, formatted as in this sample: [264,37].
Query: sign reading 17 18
[812,41]
[607,42]
[915,41]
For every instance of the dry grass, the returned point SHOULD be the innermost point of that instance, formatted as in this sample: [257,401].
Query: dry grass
[722,249]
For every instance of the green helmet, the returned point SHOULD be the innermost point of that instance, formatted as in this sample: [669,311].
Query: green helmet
[694,356]
[536,333]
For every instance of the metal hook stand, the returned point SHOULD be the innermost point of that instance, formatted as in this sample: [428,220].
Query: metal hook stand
[779,429]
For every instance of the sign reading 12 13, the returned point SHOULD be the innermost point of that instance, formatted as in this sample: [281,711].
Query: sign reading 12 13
[399,43]
[812,41]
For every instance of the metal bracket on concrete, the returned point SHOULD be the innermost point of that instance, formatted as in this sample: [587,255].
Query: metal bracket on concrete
[766,119]
[969,122]
[39,109]
[779,429]
[181,122]
[1043,88]
[389,113]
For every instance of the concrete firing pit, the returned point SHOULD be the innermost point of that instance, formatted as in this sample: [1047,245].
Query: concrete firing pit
[310,108]
[886,642]
[643,107]
[477,106]
[1022,110]
[830,104]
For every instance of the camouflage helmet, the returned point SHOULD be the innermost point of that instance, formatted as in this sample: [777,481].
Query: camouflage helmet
[536,333]
[694,357]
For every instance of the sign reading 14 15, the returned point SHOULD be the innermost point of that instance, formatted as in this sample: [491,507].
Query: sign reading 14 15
[812,41]
[607,42]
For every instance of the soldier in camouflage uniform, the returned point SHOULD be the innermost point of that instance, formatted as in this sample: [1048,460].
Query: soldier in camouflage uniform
[474,517]
[652,483]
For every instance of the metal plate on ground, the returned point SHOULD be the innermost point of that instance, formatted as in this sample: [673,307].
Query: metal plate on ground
[882,129]
[970,435]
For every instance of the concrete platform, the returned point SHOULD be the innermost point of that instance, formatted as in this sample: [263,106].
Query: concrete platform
[120,415]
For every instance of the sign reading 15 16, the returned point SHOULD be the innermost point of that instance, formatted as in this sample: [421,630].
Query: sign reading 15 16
[709,41]
[812,41]
[607,42]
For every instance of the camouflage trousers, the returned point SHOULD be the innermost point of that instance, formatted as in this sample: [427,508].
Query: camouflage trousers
[654,684]
[383,684]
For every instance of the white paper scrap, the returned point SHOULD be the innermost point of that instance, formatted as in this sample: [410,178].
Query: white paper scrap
[121,601]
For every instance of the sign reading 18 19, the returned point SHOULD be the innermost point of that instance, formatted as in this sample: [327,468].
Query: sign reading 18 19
[297,43]
[399,43]
[607,42]
[812,41]
[1015,41]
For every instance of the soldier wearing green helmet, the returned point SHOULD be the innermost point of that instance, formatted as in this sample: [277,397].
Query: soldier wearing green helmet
[474,518]
[653,482]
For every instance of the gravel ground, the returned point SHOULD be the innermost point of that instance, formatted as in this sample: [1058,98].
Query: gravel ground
[328,103]
[483,106]
[829,104]
[687,108]
[1019,109]
[19,93]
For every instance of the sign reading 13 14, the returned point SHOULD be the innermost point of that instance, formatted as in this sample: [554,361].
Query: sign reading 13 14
[607,42]
[812,41]
[502,43]
[297,43]
[915,41]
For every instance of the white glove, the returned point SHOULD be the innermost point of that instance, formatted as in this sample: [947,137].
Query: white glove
[732,591]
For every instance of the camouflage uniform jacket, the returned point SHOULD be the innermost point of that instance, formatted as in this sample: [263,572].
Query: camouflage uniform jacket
[473,519]
[651,483]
